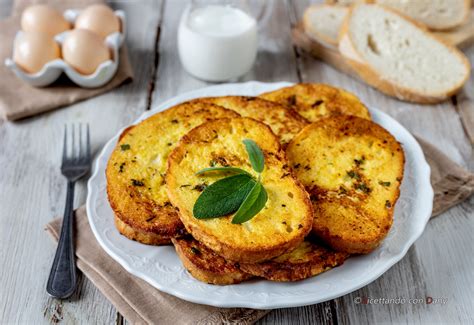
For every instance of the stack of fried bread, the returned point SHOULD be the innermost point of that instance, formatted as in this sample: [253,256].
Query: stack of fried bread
[331,174]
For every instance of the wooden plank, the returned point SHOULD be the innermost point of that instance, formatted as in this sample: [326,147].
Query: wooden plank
[32,190]
[465,101]
[5,8]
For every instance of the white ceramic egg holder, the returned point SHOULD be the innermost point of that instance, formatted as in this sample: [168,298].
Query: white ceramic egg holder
[52,70]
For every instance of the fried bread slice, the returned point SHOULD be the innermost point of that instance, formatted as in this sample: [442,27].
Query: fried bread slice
[352,169]
[264,236]
[205,265]
[136,168]
[284,122]
[306,260]
[316,101]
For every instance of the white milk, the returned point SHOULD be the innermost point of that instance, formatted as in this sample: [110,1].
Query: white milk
[217,43]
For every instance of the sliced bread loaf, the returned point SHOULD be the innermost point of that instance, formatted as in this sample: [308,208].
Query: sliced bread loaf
[436,14]
[401,59]
[323,22]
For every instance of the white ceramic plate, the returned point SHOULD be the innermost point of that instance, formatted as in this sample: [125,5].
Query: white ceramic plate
[160,266]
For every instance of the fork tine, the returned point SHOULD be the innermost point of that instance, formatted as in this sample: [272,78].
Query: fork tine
[81,141]
[74,145]
[65,143]
[88,148]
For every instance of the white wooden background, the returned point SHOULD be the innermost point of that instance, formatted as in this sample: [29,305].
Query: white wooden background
[32,191]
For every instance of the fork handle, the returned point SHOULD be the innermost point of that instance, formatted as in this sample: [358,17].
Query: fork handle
[63,278]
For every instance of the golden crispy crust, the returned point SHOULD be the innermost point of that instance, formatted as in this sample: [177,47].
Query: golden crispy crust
[352,169]
[135,171]
[141,236]
[317,101]
[205,265]
[262,237]
[307,260]
[374,79]
[284,121]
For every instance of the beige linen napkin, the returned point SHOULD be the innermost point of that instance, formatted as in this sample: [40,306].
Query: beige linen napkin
[139,302]
[18,99]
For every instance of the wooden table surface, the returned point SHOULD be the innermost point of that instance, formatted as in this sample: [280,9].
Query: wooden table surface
[32,190]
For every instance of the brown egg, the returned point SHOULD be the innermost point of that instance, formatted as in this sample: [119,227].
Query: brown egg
[84,51]
[32,50]
[99,19]
[43,18]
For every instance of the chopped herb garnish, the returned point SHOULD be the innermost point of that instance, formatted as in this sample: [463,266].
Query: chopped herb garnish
[388,204]
[136,182]
[174,121]
[125,147]
[121,167]
[353,174]
[360,161]
[363,187]
[200,187]
[384,183]
[195,251]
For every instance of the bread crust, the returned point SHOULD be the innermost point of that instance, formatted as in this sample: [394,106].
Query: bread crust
[144,237]
[315,101]
[374,79]
[307,260]
[205,265]
[352,169]
[237,242]
[134,179]
[467,6]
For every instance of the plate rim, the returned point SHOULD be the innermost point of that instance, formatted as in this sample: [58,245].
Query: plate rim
[428,195]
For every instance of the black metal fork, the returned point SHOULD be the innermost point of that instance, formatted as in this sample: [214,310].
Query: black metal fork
[76,163]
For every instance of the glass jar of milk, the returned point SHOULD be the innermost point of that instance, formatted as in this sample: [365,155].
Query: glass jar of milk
[217,40]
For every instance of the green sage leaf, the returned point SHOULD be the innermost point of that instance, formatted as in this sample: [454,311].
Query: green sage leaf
[223,169]
[223,197]
[253,203]
[256,156]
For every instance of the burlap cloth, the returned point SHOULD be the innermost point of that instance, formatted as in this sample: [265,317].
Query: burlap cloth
[18,99]
[139,302]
